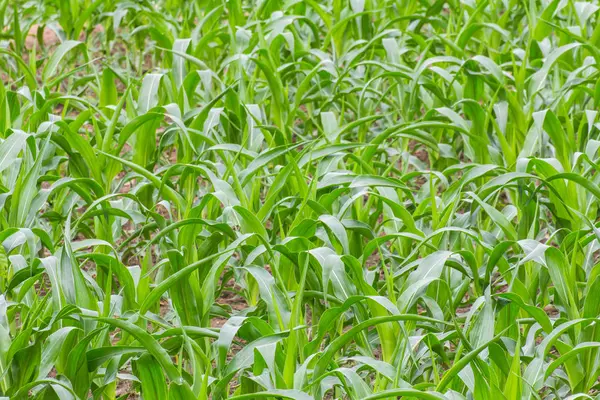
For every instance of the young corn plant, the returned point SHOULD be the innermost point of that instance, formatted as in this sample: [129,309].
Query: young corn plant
[364,199]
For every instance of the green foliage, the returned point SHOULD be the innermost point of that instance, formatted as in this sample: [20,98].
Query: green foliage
[363,199]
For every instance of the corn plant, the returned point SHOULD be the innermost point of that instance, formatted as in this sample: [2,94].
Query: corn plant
[363,199]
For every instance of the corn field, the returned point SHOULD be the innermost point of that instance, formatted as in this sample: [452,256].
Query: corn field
[299,199]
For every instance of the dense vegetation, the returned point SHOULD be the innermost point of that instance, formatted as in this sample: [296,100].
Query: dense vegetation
[360,199]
